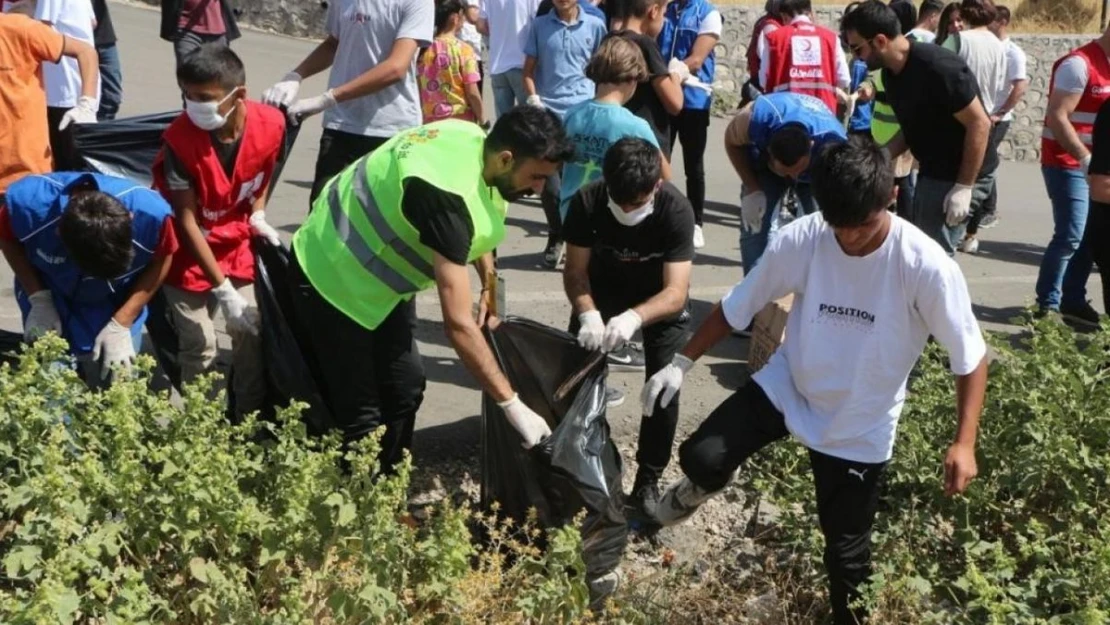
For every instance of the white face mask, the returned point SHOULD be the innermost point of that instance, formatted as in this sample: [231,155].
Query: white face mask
[206,115]
[632,218]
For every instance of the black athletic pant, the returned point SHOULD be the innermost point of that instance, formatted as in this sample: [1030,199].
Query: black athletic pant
[338,150]
[847,492]
[692,129]
[662,340]
[1096,238]
[369,378]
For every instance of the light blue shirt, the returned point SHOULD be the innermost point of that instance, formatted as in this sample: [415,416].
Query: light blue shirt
[594,127]
[562,51]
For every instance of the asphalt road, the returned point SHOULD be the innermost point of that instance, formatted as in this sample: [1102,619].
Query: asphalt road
[1001,276]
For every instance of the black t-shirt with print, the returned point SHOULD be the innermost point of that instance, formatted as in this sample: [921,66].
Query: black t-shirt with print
[645,103]
[934,85]
[626,262]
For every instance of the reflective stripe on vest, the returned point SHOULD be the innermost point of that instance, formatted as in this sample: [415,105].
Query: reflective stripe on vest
[883,116]
[357,245]
[1082,118]
[1084,137]
[800,86]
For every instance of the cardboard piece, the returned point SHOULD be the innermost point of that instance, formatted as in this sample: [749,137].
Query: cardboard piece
[768,332]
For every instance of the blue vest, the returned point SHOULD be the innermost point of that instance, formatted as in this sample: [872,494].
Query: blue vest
[676,40]
[775,110]
[85,304]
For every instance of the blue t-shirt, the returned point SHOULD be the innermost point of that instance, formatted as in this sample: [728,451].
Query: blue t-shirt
[775,110]
[861,117]
[594,127]
[562,51]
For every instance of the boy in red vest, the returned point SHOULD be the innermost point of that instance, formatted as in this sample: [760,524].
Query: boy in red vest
[215,168]
[802,57]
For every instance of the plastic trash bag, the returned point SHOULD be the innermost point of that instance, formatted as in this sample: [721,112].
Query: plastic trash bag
[578,467]
[11,344]
[288,374]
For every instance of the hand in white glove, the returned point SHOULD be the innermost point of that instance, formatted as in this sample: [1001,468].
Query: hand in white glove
[1085,164]
[534,100]
[679,69]
[284,91]
[957,204]
[620,329]
[531,426]
[42,317]
[240,316]
[752,208]
[113,348]
[83,113]
[262,229]
[310,106]
[591,331]
[666,381]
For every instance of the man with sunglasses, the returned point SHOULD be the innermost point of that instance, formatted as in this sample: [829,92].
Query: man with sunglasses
[943,121]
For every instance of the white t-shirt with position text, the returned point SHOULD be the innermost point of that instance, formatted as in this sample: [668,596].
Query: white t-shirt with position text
[857,326]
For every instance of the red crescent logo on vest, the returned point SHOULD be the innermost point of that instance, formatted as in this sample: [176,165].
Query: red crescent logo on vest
[807,45]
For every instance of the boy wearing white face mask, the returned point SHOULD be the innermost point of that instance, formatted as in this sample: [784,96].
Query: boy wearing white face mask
[629,254]
[214,168]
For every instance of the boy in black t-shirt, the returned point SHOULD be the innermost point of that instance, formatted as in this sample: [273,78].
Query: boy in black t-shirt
[661,96]
[630,249]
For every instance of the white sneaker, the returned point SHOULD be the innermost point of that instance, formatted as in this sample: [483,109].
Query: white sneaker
[970,245]
[699,238]
[679,501]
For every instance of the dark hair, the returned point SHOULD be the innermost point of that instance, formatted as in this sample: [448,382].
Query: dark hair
[976,13]
[444,10]
[946,18]
[1003,13]
[631,168]
[907,14]
[773,8]
[639,8]
[96,230]
[851,180]
[794,8]
[530,132]
[929,8]
[870,19]
[617,60]
[789,144]
[212,62]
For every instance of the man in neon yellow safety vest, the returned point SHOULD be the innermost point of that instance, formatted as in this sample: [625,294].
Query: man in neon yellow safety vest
[409,216]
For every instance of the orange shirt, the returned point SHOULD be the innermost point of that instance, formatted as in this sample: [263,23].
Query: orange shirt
[24,140]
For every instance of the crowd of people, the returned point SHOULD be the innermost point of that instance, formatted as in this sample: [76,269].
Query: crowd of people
[866,157]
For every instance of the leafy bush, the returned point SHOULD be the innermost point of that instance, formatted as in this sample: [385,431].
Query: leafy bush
[1030,540]
[118,507]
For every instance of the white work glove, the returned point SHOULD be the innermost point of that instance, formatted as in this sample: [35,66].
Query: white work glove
[113,348]
[1085,164]
[680,69]
[666,381]
[284,91]
[262,229]
[240,316]
[957,204]
[310,106]
[752,208]
[83,113]
[42,317]
[620,329]
[534,100]
[591,330]
[531,426]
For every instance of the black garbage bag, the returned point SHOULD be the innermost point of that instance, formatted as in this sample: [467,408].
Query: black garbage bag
[127,148]
[288,374]
[11,344]
[578,467]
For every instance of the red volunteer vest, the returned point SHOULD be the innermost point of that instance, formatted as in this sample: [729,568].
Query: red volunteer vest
[753,45]
[224,205]
[803,60]
[1082,118]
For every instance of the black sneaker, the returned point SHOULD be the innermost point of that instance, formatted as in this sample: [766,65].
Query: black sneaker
[627,358]
[644,500]
[613,397]
[1083,314]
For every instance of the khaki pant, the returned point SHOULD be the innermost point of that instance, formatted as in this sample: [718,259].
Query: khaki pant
[191,314]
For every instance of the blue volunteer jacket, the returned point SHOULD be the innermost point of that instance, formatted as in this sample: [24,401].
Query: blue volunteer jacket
[676,41]
[85,304]
[775,110]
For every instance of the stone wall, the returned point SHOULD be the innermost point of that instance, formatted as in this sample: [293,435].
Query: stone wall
[305,18]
